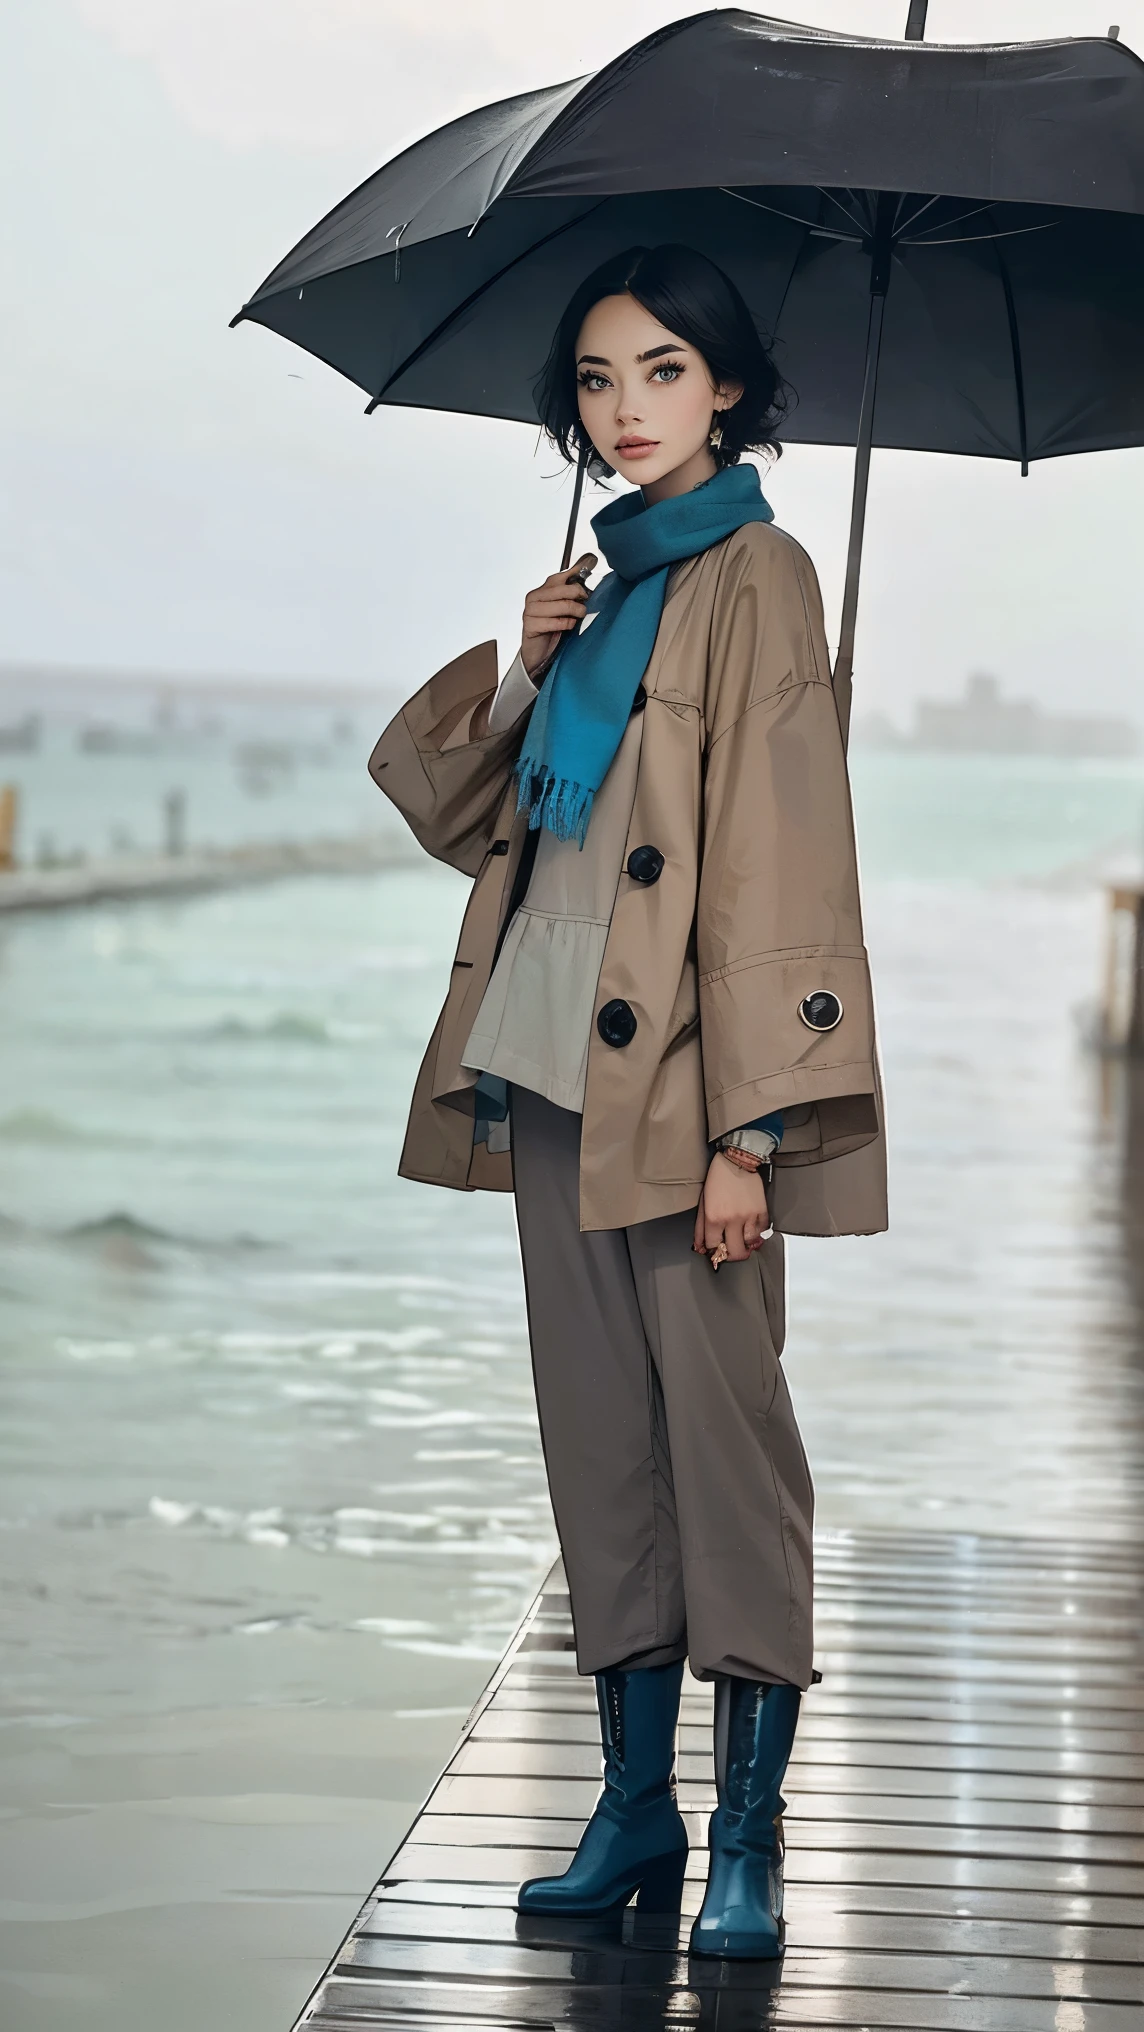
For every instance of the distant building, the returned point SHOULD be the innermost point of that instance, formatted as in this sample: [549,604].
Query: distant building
[21,737]
[877,730]
[984,723]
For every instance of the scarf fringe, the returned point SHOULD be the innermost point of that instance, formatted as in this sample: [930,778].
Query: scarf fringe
[553,801]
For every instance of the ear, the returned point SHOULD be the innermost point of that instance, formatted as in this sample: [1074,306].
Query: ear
[727,394]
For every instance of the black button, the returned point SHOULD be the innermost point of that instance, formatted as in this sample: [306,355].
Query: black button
[639,701]
[499,847]
[645,864]
[820,1011]
[616,1023]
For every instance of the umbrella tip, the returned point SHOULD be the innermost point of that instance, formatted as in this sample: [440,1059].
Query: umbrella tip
[237,318]
[1114,31]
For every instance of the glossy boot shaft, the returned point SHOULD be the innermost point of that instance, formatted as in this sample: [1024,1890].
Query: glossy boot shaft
[635,1840]
[742,1915]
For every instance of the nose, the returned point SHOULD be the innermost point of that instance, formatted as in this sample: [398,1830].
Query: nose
[627,407]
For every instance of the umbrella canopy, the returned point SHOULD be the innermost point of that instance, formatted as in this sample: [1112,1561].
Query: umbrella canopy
[944,243]
[1016,243]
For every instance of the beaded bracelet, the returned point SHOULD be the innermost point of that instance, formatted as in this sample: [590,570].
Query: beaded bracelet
[743,1160]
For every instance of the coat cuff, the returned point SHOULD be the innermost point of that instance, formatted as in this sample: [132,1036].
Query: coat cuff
[802,1092]
[767,997]
[515,694]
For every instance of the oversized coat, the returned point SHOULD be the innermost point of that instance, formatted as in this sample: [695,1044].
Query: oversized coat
[742,787]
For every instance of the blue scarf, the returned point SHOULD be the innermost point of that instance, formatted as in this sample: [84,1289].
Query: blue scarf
[585,701]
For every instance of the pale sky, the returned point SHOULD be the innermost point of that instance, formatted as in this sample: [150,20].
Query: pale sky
[177,496]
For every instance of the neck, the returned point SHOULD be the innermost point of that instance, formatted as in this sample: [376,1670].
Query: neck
[692,473]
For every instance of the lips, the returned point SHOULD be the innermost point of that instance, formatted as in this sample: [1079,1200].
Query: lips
[636,447]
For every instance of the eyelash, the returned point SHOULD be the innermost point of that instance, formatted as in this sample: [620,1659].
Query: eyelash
[673,367]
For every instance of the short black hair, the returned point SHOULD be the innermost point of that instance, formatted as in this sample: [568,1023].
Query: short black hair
[693,298]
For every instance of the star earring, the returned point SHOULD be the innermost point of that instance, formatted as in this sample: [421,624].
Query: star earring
[715,436]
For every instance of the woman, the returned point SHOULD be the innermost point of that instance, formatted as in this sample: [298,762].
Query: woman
[660,1005]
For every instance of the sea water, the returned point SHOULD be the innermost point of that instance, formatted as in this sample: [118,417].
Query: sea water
[271,1490]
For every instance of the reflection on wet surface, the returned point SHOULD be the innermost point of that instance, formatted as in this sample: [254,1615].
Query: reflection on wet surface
[965,1841]
[980,1367]
[272,1498]
[966,1823]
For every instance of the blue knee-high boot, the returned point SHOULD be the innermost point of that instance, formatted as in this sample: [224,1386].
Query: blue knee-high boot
[742,1914]
[636,1839]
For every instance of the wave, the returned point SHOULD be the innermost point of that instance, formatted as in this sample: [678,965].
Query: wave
[122,1226]
[117,1227]
[483,1533]
[39,1125]
[288,1027]
[125,1231]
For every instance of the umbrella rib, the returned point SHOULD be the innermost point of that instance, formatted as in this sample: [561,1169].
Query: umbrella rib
[915,216]
[943,225]
[799,252]
[474,296]
[824,192]
[822,232]
[975,239]
[1018,365]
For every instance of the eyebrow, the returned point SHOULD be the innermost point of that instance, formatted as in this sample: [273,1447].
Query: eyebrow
[598,360]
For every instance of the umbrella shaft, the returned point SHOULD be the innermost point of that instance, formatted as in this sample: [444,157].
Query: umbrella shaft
[574,513]
[881,250]
[844,661]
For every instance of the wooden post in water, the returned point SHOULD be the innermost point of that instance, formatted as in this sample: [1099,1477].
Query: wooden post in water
[1122,1014]
[1134,1042]
[9,810]
[175,823]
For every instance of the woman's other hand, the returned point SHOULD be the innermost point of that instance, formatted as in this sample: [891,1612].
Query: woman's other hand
[732,1210]
[552,611]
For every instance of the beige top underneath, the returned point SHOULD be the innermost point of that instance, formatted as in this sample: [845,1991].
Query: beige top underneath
[535,1020]
[534,1025]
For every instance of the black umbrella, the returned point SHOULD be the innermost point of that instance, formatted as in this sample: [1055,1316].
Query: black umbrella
[955,230]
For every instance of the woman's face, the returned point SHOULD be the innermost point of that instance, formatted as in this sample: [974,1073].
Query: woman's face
[647,400]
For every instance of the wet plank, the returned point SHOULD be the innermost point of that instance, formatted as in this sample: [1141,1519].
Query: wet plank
[820,1923]
[994,1745]
[933,1774]
[349,2003]
[965,1833]
[424,1862]
[1008,1971]
[573,1799]
[866,1899]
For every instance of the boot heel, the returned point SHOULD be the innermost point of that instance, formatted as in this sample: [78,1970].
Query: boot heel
[662,1887]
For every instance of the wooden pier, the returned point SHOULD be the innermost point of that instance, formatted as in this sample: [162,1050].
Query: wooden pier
[127,878]
[965,1824]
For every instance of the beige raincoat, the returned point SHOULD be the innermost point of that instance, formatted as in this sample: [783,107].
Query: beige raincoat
[743,789]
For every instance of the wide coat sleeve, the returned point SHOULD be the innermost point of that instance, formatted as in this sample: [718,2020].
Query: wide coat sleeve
[779,910]
[451,796]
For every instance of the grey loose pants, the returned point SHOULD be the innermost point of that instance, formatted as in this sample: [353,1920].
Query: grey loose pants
[681,1490]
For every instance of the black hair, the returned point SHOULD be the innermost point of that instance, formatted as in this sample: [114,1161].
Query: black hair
[692,298]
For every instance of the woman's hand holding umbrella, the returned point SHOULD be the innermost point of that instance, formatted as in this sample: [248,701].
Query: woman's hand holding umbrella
[554,609]
[550,611]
